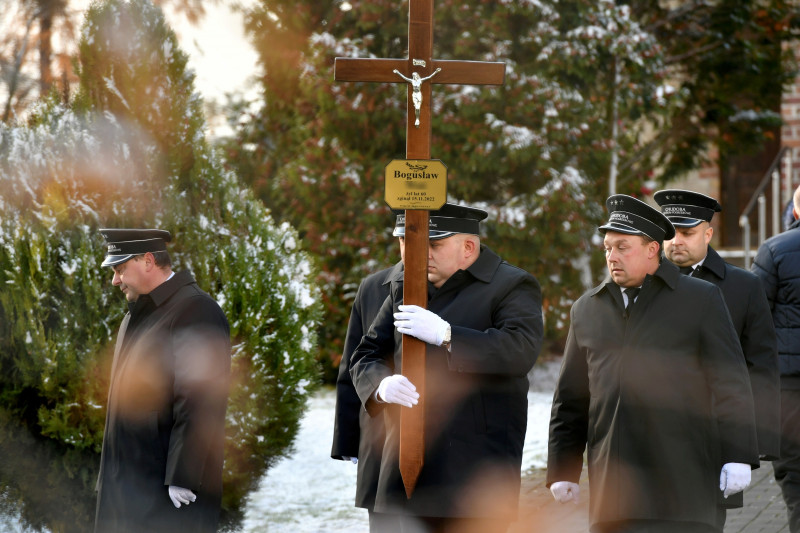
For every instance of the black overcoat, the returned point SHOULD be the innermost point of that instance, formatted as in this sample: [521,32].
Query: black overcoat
[752,319]
[660,400]
[166,413]
[475,396]
[355,432]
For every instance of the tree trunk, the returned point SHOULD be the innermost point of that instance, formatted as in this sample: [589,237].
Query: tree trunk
[16,72]
[45,51]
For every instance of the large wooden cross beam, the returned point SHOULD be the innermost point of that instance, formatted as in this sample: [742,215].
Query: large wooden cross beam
[418,146]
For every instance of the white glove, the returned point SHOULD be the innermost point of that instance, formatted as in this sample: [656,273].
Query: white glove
[735,477]
[564,491]
[397,389]
[421,323]
[353,460]
[179,496]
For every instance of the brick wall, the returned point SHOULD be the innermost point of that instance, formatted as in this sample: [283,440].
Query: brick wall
[790,111]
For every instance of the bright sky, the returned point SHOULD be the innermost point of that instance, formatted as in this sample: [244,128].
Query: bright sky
[219,53]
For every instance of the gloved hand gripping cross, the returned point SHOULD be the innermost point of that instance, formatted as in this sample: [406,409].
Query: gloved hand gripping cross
[425,326]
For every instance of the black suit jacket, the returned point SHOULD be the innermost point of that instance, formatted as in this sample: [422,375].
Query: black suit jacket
[659,401]
[475,395]
[749,309]
[165,423]
[355,433]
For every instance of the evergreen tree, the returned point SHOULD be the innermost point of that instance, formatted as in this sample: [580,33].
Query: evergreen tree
[130,152]
[731,60]
[535,152]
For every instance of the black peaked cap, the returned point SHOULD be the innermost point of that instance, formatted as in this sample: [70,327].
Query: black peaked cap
[447,221]
[686,209]
[123,244]
[634,217]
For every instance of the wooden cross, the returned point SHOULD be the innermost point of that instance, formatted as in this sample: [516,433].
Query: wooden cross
[418,146]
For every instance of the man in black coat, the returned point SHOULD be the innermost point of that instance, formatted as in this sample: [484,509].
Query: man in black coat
[357,436]
[654,386]
[777,264]
[483,327]
[691,213]
[161,463]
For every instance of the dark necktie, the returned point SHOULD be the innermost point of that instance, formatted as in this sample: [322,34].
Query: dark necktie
[686,270]
[631,293]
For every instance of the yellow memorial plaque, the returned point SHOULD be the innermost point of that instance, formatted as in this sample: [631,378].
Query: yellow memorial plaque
[416,184]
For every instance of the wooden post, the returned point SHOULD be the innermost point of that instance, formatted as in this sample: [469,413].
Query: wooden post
[418,146]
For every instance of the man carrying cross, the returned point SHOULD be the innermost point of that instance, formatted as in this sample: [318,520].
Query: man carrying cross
[418,67]
[483,332]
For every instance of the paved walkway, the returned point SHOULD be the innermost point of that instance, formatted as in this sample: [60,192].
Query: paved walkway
[764,510]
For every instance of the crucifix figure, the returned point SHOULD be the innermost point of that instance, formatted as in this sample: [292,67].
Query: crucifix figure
[416,94]
[418,146]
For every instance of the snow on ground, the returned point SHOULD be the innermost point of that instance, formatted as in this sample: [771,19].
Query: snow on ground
[311,493]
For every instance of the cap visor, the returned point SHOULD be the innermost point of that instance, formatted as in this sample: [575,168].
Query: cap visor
[432,235]
[619,228]
[436,235]
[680,222]
[113,260]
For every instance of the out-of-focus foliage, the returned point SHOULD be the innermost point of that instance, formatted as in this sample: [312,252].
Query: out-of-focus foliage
[37,42]
[130,152]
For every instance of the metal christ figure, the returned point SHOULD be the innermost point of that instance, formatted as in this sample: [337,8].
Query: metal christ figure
[416,95]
